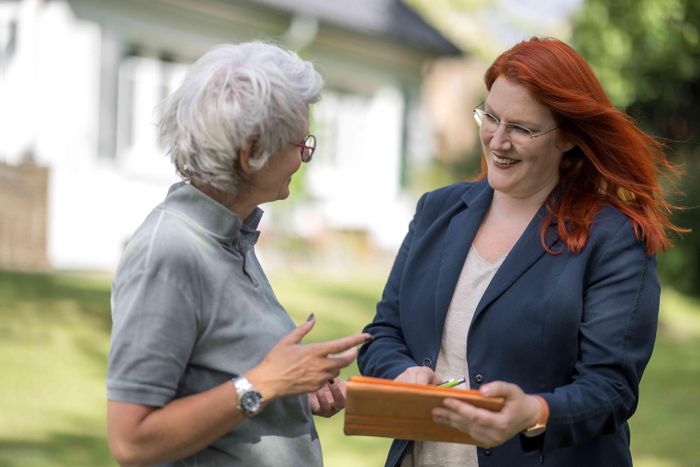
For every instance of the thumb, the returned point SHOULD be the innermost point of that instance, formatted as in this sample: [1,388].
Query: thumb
[298,334]
[427,376]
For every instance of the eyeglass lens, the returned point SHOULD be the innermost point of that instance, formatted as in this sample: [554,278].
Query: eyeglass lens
[517,133]
[490,124]
[308,148]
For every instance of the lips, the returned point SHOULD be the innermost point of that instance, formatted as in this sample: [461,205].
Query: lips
[500,160]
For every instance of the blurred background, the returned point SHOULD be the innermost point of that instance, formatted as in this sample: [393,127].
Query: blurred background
[80,167]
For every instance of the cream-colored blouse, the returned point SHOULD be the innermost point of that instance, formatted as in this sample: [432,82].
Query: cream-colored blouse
[452,361]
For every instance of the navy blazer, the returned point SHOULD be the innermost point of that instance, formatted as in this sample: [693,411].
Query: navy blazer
[576,329]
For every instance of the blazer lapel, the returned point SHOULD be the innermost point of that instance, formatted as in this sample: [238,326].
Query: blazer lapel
[526,251]
[460,235]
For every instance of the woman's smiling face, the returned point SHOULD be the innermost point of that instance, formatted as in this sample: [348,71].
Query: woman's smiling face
[528,168]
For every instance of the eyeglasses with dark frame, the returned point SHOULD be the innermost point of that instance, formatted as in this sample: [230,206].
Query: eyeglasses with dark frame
[517,134]
[307,146]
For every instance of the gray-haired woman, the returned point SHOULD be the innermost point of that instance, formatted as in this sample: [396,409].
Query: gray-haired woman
[205,366]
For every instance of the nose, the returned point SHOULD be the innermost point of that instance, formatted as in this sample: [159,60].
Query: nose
[500,138]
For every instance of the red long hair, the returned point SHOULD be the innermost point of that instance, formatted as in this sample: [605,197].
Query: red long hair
[613,161]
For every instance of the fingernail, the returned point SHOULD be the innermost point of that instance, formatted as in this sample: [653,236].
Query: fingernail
[311,317]
[369,338]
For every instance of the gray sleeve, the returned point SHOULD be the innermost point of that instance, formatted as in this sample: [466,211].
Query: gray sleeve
[154,331]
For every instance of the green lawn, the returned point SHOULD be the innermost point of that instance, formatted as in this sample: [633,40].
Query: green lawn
[54,332]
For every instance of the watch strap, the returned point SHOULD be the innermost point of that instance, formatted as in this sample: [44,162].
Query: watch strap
[242,384]
[541,425]
[245,388]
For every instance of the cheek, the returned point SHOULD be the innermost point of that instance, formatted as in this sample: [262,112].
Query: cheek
[295,167]
[284,176]
[288,165]
[485,140]
[554,160]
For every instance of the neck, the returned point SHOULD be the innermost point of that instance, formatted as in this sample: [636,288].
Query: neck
[239,205]
[519,208]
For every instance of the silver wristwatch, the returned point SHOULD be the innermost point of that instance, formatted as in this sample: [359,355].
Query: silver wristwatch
[249,399]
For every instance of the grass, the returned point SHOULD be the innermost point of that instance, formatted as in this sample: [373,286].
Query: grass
[668,415]
[342,307]
[54,337]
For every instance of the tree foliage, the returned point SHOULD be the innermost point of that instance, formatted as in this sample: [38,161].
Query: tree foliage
[647,55]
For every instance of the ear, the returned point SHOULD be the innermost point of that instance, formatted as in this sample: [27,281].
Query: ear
[246,155]
[564,144]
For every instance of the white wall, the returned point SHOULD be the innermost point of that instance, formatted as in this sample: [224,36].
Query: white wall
[50,101]
[355,175]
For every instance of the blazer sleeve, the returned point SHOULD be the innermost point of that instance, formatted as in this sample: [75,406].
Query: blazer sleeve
[616,337]
[387,356]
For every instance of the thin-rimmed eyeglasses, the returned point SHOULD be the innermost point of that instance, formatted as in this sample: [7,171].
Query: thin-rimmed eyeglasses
[517,134]
[307,146]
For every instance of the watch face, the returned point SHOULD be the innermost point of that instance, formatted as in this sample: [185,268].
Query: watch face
[535,431]
[250,402]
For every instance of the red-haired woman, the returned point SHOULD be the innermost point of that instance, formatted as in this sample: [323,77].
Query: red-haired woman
[538,281]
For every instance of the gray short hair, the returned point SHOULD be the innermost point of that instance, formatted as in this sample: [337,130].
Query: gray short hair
[233,93]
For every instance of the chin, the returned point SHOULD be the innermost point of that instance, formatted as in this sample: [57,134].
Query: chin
[496,181]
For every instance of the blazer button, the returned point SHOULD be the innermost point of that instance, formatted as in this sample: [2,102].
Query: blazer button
[427,362]
[478,378]
[488,451]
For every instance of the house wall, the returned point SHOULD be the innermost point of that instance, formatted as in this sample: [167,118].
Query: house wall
[80,88]
[51,104]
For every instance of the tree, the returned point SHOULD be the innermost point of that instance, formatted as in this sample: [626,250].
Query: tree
[647,55]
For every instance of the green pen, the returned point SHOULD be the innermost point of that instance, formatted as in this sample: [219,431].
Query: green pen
[452,382]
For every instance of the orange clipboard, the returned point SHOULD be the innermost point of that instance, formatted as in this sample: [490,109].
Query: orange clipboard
[392,409]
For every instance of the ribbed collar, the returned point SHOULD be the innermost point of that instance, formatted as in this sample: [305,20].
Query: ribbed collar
[222,223]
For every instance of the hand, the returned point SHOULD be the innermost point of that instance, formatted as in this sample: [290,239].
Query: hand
[488,428]
[419,375]
[330,399]
[292,368]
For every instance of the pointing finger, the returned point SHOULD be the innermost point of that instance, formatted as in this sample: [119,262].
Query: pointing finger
[342,344]
[298,334]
